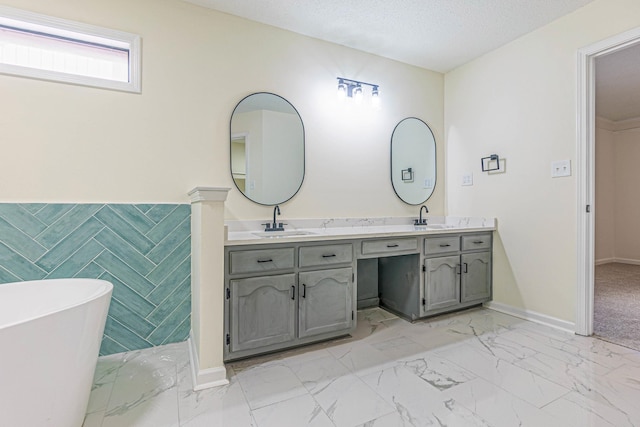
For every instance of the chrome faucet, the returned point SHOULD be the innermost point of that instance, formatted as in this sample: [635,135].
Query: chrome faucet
[275,226]
[420,220]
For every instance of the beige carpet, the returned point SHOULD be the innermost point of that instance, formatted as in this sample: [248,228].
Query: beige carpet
[617,304]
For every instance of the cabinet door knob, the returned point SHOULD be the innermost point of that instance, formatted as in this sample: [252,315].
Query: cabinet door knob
[478,242]
[304,290]
[446,245]
[392,246]
[265,260]
[293,292]
[328,256]
[465,267]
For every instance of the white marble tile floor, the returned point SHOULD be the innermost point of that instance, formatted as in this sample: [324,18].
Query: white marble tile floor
[473,368]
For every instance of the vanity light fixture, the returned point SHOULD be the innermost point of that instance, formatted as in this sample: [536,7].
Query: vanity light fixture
[348,88]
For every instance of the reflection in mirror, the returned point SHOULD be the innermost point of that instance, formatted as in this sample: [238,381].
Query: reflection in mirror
[267,148]
[239,159]
[413,161]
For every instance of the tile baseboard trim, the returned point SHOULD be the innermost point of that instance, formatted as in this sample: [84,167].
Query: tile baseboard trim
[604,261]
[204,378]
[532,316]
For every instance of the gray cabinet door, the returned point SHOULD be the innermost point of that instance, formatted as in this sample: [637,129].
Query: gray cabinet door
[476,276]
[263,311]
[442,282]
[326,301]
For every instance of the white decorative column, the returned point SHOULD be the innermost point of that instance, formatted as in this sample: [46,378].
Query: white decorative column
[207,287]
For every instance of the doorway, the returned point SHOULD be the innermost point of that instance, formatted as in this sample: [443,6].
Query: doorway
[586,172]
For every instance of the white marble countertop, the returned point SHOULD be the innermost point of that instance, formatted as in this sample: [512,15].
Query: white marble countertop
[302,230]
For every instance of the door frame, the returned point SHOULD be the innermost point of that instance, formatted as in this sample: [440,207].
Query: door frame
[586,172]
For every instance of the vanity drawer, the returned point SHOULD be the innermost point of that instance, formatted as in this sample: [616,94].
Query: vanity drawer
[478,241]
[390,245]
[440,245]
[261,260]
[325,255]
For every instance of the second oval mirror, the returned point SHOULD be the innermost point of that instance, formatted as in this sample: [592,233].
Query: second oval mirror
[267,148]
[413,161]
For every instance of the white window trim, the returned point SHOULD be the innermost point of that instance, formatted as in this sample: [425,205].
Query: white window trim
[90,33]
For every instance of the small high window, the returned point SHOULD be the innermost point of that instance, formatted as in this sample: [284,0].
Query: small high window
[43,47]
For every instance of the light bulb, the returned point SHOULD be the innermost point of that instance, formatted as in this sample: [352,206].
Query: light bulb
[342,90]
[357,94]
[375,97]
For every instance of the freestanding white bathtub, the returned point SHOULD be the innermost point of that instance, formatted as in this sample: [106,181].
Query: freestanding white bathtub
[50,334]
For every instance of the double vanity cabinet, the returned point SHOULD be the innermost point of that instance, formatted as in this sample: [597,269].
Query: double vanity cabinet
[281,293]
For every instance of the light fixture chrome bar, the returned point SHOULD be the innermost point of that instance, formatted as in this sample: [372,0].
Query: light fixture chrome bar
[355,82]
[349,88]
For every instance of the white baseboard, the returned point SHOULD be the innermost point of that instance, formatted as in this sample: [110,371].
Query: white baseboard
[627,261]
[618,260]
[204,378]
[532,316]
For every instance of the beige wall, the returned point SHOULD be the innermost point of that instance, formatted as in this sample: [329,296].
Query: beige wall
[627,195]
[519,101]
[617,201]
[605,177]
[64,143]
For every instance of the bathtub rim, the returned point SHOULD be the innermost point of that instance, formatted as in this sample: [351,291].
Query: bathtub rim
[103,288]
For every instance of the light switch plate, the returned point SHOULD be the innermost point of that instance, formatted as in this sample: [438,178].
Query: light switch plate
[467,179]
[560,168]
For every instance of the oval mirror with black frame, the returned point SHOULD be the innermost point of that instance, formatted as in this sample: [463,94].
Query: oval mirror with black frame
[267,148]
[413,161]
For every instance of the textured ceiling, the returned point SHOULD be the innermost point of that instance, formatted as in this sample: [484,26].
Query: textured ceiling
[439,35]
[618,84]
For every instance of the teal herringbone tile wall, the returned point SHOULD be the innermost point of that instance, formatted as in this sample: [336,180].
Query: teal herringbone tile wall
[144,250]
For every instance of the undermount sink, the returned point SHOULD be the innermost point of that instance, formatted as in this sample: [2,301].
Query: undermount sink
[285,233]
